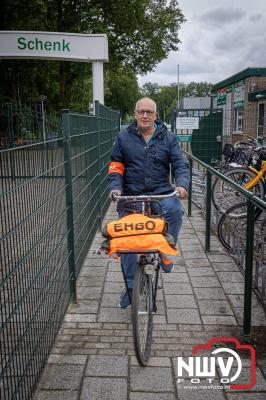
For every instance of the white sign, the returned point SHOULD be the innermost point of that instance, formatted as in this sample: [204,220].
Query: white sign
[187,123]
[53,45]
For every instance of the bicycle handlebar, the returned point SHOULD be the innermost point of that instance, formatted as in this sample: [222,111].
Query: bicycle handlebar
[116,197]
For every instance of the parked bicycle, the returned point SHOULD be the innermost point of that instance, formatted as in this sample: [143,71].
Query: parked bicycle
[238,155]
[146,278]
[232,228]
[250,178]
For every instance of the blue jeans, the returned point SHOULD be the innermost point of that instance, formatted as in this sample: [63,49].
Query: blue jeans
[173,212]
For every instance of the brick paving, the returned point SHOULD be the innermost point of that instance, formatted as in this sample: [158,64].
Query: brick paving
[93,356]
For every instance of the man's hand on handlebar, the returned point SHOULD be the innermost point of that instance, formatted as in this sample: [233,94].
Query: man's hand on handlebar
[117,192]
[182,191]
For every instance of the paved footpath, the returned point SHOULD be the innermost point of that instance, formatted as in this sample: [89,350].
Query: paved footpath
[93,356]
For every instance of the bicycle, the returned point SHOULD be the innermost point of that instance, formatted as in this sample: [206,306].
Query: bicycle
[232,227]
[143,301]
[250,178]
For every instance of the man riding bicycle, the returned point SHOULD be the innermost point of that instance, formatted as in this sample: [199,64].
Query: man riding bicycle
[140,164]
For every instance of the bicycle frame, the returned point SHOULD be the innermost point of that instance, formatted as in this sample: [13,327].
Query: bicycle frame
[259,176]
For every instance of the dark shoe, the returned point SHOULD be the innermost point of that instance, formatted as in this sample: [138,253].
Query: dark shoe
[125,300]
[167,268]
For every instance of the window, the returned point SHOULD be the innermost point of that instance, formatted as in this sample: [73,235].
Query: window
[238,120]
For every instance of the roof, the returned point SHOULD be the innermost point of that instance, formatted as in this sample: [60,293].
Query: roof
[239,76]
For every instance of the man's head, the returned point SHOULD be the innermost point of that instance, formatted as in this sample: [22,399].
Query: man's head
[145,114]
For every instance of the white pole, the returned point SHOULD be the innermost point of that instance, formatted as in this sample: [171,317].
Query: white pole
[97,81]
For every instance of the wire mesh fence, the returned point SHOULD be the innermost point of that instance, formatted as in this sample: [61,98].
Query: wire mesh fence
[53,195]
[27,125]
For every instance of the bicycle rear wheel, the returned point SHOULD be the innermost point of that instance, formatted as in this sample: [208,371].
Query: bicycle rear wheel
[142,314]
[232,225]
[225,196]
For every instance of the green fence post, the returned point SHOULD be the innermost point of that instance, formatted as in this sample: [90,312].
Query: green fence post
[190,188]
[248,268]
[69,203]
[208,212]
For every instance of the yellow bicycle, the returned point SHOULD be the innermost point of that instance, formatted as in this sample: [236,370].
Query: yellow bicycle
[250,178]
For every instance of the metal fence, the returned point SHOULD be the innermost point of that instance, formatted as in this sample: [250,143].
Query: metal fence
[52,198]
[27,125]
[246,235]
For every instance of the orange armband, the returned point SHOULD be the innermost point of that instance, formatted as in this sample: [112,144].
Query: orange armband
[117,167]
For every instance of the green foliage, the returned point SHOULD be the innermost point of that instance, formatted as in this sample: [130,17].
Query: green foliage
[122,90]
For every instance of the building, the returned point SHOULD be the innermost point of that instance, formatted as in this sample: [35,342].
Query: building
[242,97]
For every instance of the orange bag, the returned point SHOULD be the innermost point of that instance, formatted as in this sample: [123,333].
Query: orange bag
[134,224]
[137,232]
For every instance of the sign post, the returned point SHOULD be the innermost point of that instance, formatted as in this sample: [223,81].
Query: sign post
[59,46]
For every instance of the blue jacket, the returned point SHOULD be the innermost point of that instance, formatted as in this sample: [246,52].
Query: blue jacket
[147,166]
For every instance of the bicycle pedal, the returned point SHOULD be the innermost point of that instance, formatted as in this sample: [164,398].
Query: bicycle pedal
[149,269]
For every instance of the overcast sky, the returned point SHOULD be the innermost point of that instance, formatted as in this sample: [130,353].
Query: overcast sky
[219,39]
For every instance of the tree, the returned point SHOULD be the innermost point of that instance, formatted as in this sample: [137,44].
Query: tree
[122,90]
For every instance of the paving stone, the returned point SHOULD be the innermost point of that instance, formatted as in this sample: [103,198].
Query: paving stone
[89,293]
[197,255]
[67,359]
[210,294]
[114,315]
[110,300]
[245,396]
[152,379]
[104,389]
[107,366]
[95,281]
[95,262]
[215,307]
[218,320]
[198,263]
[205,281]
[114,277]
[114,287]
[151,396]
[56,395]
[228,266]
[220,258]
[230,276]
[201,271]
[177,288]
[90,307]
[176,277]
[154,362]
[65,377]
[198,394]
[184,316]
[80,318]
[233,287]
[180,301]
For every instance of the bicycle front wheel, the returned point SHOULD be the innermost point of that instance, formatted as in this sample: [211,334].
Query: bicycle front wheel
[142,315]
[225,196]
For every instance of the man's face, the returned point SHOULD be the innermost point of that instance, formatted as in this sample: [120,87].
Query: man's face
[145,115]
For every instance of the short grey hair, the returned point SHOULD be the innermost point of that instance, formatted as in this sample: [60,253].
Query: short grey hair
[146,98]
